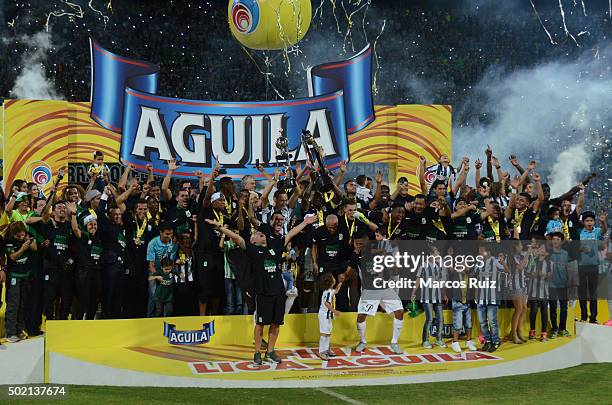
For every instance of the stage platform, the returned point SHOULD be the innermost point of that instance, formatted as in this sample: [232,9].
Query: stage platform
[136,353]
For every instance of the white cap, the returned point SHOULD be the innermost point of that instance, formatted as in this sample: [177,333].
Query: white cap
[88,219]
[216,196]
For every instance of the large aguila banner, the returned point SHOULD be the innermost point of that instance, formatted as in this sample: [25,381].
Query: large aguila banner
[155,129]
[126,119]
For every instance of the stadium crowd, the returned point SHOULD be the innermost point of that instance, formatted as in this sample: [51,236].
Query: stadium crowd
[178,247]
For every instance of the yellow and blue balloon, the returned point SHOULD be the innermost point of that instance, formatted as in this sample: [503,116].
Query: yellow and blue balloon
[269,24]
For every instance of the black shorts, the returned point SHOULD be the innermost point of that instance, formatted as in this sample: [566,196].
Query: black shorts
[270,309]
[211,275]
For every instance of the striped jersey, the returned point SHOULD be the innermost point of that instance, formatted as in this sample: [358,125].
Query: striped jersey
[489,275]
[537,274]
[516,278]
[328,296]
[430,276]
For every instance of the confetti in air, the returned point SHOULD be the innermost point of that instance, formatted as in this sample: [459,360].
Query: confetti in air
[567,33]
[105,18]
[550,38]
[349,19]
[77,12]
[266,74]
[374,79]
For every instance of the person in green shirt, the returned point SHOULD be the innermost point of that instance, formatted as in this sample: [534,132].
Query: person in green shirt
[17,247]
[164,291]
[18,207]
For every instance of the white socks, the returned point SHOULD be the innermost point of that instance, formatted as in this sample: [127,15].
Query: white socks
[397,329]
[324,343]
[361,328]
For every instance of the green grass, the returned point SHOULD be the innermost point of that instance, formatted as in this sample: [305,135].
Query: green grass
[584,384]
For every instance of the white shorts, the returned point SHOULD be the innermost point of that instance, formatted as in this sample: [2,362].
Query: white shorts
[369,307]
[325,324]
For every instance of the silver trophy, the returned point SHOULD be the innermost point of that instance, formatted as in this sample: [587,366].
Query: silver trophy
[283,159]
[313,151]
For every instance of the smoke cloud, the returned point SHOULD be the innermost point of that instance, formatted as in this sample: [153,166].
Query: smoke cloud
[32,82]
[553,113]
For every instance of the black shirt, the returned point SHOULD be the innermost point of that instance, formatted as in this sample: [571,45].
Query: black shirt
[266,269]
[178,217]
[90,253]
[397,230]
[275,241]
[349,229]
[329,249]
[19,265]
[488,233]
[60,236]
[113,237]
[525,220]
[208,236]
[415,226]
[464,227]
[138,234]
[437,227]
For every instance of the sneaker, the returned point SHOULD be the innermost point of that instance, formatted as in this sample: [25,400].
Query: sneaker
[257,359]
[455,346]
[544,337]
[440,343]
[471,346]
[565,333]
[23,336]
[323,356]
[330,354]
[532,335]
[13,339]
[396,349]
[554,334]
[292,292]
[494,346]
[486,347]
[360,347]
[273,357]
[427,345]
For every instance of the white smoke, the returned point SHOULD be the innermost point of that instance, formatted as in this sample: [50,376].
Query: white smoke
[553,113]
[569,165]
[32,82]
